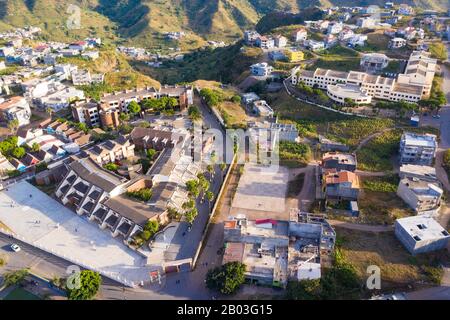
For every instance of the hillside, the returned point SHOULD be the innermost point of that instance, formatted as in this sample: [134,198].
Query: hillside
[143,22]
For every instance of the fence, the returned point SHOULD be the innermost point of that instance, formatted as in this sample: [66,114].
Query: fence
[83,264]
[213,210]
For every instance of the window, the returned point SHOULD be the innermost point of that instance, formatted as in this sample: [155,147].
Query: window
[417,238]
[421,226]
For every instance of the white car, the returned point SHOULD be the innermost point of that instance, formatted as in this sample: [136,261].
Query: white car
[15,247]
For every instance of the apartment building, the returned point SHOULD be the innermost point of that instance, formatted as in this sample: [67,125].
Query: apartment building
[341,185]
[280,41]
[295,55]
[111,151]
[397,43]
[15,108]
[421,234]
[411,86]
[265,42]
[262,69]
[420,195]
[425,173]
[99,195]
[250,37]
[374,62]
[86,112]
[300,35]
[417,149]
[339,161]
[120,100]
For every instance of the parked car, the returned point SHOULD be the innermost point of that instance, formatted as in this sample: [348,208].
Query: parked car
[15,247]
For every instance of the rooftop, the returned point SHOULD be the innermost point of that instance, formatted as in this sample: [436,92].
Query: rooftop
[424,227]
[419,140]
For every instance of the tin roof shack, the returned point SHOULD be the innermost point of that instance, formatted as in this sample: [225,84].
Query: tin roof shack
[421,234]
[262,245]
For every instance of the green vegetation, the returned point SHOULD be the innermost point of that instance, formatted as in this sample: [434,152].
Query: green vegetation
[151,153]
[438,50]
[9,148]
[341,281]
[194,113]
[111,167]
[446,161]
[437,96]
[15,277]
[21,294]
[212,96]
[377,153]
[165,105]
[89,284]
[143,194]
[225,64]
[227,278]
[398,268]
[402,107]
[294,153]
[381,184]
[337,58]
[41,166]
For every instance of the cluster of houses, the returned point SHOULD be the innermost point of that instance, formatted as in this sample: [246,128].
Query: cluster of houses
[360,87]
[100,195]
[278,251]
[106,112]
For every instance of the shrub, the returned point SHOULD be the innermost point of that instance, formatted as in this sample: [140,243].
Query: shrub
[144,194]
[227,278]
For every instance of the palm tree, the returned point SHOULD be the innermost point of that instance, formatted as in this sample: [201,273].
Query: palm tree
[13,125]
[210,169]
[50,111]
[223,166]
[210,198]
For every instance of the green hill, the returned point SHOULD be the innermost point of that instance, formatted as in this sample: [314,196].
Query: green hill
[143,22]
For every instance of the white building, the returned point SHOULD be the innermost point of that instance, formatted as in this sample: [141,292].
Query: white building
[412,86]
[60,99]
[374,61]
[396,43]
[420,195]
[334,27]
[425,173]
[366,22]
[280,41]
[342,92]
[315,45]
[417,148]
[300,35]
[262,69]
[420,234]
[262,108]
[15,108]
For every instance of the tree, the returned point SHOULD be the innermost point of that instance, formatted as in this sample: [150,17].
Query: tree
[13,125]
[15,277]
[124,117]
[210,197]
[236,99]
[18,152]
[227,278]
[151,154]
[194,113]
[134,107]
[192,187]
[89,284]
[210,169]
[50,111]
[191,215]
[111,167]
[35,147]
[82,127]
[152,226]
[303,290]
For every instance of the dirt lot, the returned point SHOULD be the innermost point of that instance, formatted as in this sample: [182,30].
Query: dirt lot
[399,269]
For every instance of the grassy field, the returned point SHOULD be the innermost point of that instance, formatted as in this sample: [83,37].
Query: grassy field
[379,203]
[221,64]
[337,58]
[233,114]
[378,153]
[398,268]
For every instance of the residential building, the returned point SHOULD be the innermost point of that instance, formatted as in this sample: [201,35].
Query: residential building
[277,55]
[118,101]
[99,195]
[79,45]
[5,167]
[315,45]
[425,173]
[111,151]
[357,40]
[295,55]
[405,10]
[334,27]
[250,37]
[265,42]
[411,86]
[280,41]
[366,22]
[330,41]
[420,195]
[339,161]
[262,69]
[158,138]
[421,234]
[86,112]
[15,108]
[397,43]
[60,99]
[91,55]
[262,109]
[249,97]
[417,148]
[340,185]
[345,34]
[374,62]
[300,35]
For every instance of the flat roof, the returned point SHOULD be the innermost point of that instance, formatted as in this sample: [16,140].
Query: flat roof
[421,140]
[63,233]
[423,226]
